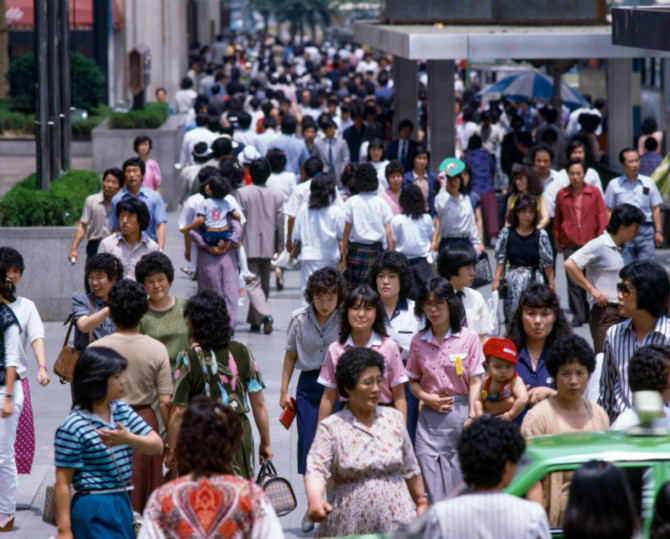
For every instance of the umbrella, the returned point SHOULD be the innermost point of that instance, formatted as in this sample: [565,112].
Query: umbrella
[531,86]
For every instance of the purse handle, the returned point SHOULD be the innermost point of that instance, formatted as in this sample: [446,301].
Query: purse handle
[267,469]
[72,322]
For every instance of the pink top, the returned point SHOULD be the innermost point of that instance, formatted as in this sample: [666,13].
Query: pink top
[391,200]
[394,372]
[434,364]
[152,174]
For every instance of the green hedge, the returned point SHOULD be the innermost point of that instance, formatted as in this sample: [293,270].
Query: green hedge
[152,116]
[26,205]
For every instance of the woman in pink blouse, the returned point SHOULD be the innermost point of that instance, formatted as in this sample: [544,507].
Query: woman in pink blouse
[445,368]
[363,325]
[391,195]
[152,174]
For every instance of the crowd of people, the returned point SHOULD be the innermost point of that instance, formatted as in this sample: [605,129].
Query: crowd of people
[406,390]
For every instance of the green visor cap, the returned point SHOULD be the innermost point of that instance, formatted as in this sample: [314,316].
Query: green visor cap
[452,166]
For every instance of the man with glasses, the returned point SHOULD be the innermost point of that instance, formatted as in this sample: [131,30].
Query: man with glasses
[642,297]
[595,267]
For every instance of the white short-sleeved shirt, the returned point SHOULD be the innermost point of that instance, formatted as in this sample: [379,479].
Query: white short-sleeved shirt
[318,232]
[403,325]
[284,182]
[412,236]
[476,312]
[552,185]
[600,260]
[628,418]
[642,194]
[215,211]
[367,214]
[300,196]
[190,210]
[456,216]
[31,327]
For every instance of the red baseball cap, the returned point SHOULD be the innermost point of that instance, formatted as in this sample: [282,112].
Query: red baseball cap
[502,348]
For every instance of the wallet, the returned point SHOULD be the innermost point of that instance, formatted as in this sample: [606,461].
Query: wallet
[287,416]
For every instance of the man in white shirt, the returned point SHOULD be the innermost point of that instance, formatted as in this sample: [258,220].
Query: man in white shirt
[192,137]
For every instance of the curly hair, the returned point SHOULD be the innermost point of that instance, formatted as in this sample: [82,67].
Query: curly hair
[412,201]
[11,258]
[522,203]
[660,525]
[128,303]
[136,206]
[365,179]
[570,349]
[152,263]
[652,284]
[535,185]
[106,263]
[91,372]
[648,368]
[485,447]
[277,160]
[352,363]
[440,289]
[323,281]
[394,167]
[210,322]
[453,257]
[322,192]
[538,296]
[396,262]
[367,296]
[208,440]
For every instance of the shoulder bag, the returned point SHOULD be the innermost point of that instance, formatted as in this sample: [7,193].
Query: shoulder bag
[279,490]
[68,356]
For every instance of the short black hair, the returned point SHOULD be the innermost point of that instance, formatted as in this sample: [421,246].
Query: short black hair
[6,291]
[542,148]
[91,373]
[244,119]
[140,139]
[567,350]
[475,142]
[289,124]
[231,169]
[312,167]
[485,447]
[524,201]
[322,192]
[392,261]
[352,363]
[136,206]
[624,215]
[405,123]
[106,263]
[650,144]
[11,258]
[394,167]
[259,170]
[222,146]
[128,302]
[648,368]
[441,289]
[652,284]
[365,179]
[575,143]
[453,257]
[210,321]
[412,202]
[117,173]
[576,161]
[152,263]
[367,296]
[219,186]
[326,280]
[277,159]
[420,149]
[134,162]
[622,154]
[660,525]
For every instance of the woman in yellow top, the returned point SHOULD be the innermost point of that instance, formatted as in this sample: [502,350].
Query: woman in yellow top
[525,180]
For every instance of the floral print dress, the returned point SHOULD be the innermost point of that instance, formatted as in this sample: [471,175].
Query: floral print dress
[225,375]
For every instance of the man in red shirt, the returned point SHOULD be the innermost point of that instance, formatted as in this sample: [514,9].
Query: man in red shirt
[580,216]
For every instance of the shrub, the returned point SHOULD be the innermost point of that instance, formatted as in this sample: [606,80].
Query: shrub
[153,115]
[86,80]
[26,205]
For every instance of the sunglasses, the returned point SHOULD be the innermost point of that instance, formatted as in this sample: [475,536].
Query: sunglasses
[624,289]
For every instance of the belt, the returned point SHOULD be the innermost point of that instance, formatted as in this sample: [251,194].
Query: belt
[140,407]
[105,490]
[458,237]
[221,229]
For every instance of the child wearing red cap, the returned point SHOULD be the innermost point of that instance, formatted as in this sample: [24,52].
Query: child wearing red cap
[503,391]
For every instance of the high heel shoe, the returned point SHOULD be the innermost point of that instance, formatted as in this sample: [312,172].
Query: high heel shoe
[10,526]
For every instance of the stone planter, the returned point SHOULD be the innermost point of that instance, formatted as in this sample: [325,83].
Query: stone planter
[111,147]
[50,279]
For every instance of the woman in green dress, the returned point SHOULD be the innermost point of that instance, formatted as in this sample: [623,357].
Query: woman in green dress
[221,370]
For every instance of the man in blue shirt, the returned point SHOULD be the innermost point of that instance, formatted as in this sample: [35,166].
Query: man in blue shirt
[294,148]
[133,170]
[640,191]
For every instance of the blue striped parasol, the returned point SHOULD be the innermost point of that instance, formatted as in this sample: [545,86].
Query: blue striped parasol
[531,86]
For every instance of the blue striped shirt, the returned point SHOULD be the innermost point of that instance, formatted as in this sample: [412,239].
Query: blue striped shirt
[79,446]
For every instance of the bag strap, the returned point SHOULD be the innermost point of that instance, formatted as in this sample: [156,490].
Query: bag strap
[90,333]
[69,329]
[71,320]
[267,469]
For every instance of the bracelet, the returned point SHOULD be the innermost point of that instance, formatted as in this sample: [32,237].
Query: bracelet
[170,449]
[42,366]
[424,495]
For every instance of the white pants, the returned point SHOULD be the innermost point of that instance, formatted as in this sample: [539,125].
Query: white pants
[9,478]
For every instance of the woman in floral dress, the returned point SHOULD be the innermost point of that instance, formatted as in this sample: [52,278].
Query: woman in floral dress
[221,370]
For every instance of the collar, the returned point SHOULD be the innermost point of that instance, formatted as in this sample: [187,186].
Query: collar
[143,239]
[311,316]
[375,340]
[428,335]
[355,422]
[658,327]
[524,357]
[142,192]
[88,414]
[623,179]
[403,305]
[423,176]
[609,242]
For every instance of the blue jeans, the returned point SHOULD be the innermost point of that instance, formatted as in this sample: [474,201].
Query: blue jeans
[642,247]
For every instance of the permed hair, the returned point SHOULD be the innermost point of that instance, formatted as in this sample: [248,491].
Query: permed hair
[352,363]
[106,263]
[649,367]
[128,302]
[396,262]
[152,263]
[326,280]
[412,201]
[365,179]
[209,318]
[570,349]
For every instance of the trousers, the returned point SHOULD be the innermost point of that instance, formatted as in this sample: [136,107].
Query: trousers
[9,478]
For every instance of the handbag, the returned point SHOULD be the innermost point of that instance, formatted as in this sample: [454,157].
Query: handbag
[68,356]
[502,290]
[279,491]
[49,511]
[483,273]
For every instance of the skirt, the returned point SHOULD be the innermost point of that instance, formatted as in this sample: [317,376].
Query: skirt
[101,516]
[421,271]
[412,413]
[518,278]
[436,447]
[24,447]
[360,257]
[147,469]
[307,400]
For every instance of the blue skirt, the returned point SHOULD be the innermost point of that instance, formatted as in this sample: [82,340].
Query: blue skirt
[101,516]
[307,401]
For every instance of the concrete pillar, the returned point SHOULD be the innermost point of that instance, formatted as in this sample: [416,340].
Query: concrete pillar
[620,107]
[665,127]
[441,130]
[405,92]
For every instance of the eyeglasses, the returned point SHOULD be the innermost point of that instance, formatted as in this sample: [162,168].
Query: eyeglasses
[624,289]
[438,304]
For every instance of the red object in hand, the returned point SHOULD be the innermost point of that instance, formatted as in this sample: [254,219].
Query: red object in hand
[288,415]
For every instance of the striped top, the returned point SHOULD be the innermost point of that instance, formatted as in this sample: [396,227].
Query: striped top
[79,446]
[620,345]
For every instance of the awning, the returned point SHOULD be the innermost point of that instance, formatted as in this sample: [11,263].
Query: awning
[21,14]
